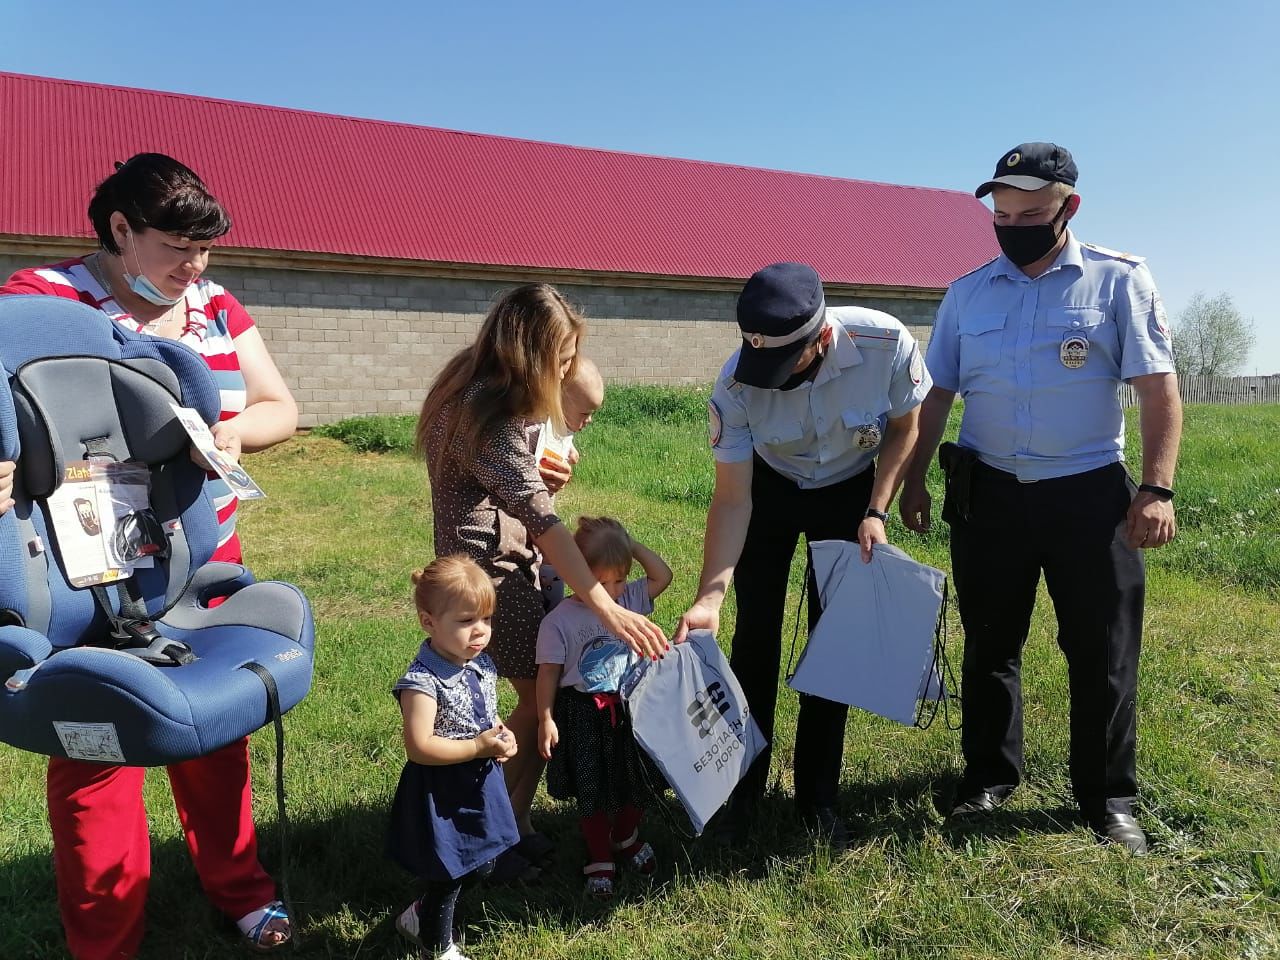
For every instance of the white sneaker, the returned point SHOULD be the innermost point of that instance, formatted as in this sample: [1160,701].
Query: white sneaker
[407,924]
[452,953]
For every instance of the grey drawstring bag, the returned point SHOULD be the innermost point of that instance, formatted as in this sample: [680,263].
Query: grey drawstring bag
[690,717]
[877,645]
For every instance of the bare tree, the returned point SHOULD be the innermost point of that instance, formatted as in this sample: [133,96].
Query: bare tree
[1211,338]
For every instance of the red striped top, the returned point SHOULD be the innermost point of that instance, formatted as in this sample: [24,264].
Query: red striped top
[214,318]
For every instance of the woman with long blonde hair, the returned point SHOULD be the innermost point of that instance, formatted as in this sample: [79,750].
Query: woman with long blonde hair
[490,502]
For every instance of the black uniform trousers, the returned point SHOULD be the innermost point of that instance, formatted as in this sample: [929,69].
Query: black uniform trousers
[1073,529]
[780,512]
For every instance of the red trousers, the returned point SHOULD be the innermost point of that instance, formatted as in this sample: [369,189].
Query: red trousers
[102,851]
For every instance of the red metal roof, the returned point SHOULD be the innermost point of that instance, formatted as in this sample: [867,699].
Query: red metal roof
[299,181]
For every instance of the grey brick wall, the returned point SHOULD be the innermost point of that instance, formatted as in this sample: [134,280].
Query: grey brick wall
[350,343]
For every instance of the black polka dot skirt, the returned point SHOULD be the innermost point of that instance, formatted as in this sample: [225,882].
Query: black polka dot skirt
[598,762]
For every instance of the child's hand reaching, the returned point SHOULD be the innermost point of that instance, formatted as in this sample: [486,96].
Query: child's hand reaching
[548,737]
[498,743]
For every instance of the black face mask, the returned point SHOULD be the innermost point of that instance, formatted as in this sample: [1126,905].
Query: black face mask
[805,375]
[1026,245]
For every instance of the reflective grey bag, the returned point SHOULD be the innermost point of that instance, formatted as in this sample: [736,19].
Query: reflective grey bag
[875,645]
[690,716]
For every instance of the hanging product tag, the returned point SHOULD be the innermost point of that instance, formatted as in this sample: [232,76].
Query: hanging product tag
[238,480]
[102,521]
[132,535]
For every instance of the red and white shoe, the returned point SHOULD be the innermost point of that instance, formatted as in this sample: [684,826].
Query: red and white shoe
[599,885]
[637,855]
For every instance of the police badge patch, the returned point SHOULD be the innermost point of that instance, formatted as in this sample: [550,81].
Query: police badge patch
[868,436]
[1074,350]
[715,424]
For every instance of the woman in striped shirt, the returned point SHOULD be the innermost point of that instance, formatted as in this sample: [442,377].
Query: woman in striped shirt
[156,223]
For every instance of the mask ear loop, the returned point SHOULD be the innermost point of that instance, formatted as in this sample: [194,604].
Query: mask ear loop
[136,259]
[1061,210]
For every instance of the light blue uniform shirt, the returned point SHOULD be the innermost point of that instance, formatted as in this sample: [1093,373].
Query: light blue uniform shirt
[1039,362]
[829,429]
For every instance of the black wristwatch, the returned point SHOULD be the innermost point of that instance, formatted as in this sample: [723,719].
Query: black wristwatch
[1164,493]
[878,514]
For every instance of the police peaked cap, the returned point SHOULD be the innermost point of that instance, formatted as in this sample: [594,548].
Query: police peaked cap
[1030,166]
[780,312]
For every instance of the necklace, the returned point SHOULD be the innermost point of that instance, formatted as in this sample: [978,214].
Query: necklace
[95,270]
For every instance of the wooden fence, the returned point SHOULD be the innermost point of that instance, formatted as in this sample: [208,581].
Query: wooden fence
[1218,390]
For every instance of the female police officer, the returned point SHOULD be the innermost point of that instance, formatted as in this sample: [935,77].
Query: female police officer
[798,416]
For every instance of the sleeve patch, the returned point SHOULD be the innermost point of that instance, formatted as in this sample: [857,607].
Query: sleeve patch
[917,365]
[715,423]
[1157,308]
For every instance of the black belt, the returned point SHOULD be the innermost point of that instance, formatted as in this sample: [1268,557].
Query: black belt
[760,463]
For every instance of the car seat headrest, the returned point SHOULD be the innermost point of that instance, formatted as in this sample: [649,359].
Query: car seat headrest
[61,416]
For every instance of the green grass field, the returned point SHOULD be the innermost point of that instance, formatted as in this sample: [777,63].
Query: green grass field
[348,524]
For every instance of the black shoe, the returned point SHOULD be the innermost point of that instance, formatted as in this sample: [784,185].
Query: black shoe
[1121,828]
[730,828]
[536,847]
[979,803]
[827,825]
[511,867]
[720,831]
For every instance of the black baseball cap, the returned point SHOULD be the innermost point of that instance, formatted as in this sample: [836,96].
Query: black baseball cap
[780,312]
[1030,166]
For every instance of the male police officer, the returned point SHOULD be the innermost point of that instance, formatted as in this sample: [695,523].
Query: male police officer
[1037,342]
[797,418]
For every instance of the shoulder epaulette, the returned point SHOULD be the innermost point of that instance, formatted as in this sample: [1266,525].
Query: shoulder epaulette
[976,269]
[870,327]
[866,335]
[1114,254]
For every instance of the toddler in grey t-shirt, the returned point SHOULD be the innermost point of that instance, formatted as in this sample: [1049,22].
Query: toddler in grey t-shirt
[582,730]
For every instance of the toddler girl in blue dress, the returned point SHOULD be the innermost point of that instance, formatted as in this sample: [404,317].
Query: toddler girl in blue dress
[451,816]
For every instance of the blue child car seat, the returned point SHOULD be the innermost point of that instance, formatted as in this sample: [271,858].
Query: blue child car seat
[142,671]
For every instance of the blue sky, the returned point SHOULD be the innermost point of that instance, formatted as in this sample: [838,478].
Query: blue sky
[1170,108]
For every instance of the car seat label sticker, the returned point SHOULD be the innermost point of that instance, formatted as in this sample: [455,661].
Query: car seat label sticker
[90,741]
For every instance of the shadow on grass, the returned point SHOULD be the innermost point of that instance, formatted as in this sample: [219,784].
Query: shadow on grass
[344,890]
[378,890]
[180,921]
[1003,823]
[347,893]
[28,903]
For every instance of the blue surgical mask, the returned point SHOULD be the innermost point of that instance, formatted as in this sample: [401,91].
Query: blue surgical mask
[142,286]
